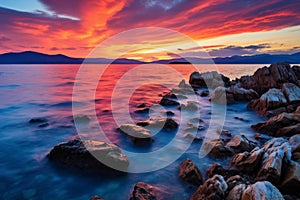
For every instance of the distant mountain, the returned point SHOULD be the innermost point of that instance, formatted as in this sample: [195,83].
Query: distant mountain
[30,57]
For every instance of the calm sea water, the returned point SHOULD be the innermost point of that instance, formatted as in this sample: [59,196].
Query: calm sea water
[30,91]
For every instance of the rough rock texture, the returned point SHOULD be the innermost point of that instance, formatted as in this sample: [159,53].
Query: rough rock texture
[236,192]
[269,77]
[144,191]
[169,99]
[240,143]
[212,189]
[217,169]
[284,124]
[136,133]
[277,154]
[291,92]
[76,153]
[248,162]
[208,79]
[242,94]
[269,101]
[222,95]
[295,143]
[291,181]
[190,173]
[234,181]
[163,123]
[218,149]
[262,191]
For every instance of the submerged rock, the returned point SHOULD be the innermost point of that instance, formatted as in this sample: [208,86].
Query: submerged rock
[212,189]
[144,191]
[137,133]
[77,153]
[190,173]
[38,120]
[167,124]
[262,191]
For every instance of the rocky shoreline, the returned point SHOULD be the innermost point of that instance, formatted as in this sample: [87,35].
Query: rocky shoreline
[267,169]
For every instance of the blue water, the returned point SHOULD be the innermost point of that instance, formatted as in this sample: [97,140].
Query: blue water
[30,91]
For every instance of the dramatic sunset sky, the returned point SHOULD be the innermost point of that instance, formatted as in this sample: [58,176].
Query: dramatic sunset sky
[223,28]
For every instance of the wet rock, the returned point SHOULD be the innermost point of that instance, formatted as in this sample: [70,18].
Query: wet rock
[242,94]
[269,77]
[218,149]
[136,133]
[96,198]
[190,173]
[262,191]
[240,143]
[273,99]
[191,106]
[241,119]
[234,181]
[277,154]
[217,169]
[144,191]
[292,92]
[44,125]
[222,95]
[284,124]
[295,143]
[248,162]
[191,137]
[204,93]
[169,100]
[208,79]
[142,110]
[212,189]
[291,181]
[224,132]
[236,192]
[167,124]
[78,154]
[37,120]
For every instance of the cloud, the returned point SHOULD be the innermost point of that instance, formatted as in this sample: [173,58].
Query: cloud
[4,39]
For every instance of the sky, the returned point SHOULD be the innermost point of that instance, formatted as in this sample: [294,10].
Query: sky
[218,27]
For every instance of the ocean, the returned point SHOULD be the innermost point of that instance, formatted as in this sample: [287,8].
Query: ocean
[45,91]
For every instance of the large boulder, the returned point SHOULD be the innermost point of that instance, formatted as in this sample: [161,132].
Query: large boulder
[269,101]
[291,181]
[218,148]
[236,192]
[190,173]
[240,143]
[208,79]
[169,99]
[242,94]
[136,133]
[144,191]
[262,191]
[222,95]
[79,154]
[284,124]
[292,92]
[269,77]
[295,143]
[212,189]
[217,169]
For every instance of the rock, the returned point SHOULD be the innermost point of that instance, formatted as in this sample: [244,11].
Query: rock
[204,93]
[222,95]
[190,173]
[240,143]
[169,100]
[218,149]
[136,133]
[167,124]
[142,110]
[296,70]
[190,137]
[224,132]
[295,143]
[191,106]
[241,119]
[248,162]
[284,124]
[78,154]
[277,154]
[235,181]
[262,191]
[208,79]
[270,100]
[242,94]
[37,120]
[237,192]
[291,181]
[217,169]
[96,198]
[144,191]
[44,125]
[212,189]
[292,92]
[269,77]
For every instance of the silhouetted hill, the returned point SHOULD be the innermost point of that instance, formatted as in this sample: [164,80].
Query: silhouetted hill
[30,57]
